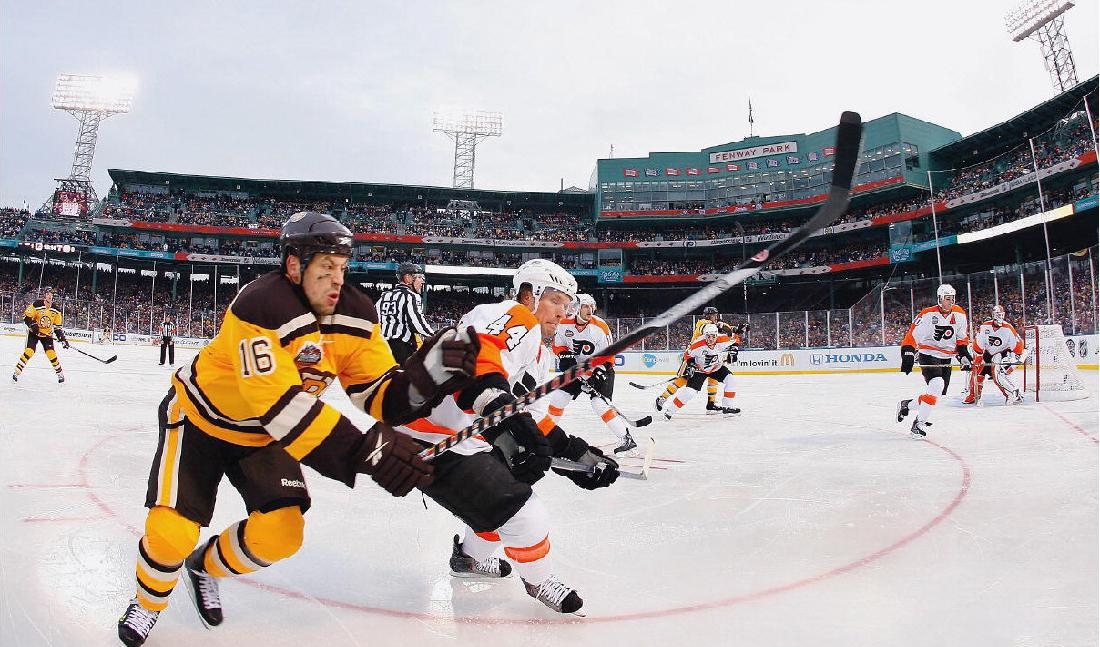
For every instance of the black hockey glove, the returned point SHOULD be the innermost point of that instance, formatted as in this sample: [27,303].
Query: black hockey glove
[731,355]
[987,357]
[690,370]
[520,442]
[908,356]
[598,377]
[966,360]
[64,343]
[606,469]
[390,458]
[442,365]
[566,360]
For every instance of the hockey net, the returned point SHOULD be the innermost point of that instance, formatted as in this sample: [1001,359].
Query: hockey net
[1050,372]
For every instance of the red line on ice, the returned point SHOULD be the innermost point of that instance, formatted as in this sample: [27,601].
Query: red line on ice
[964,488]
[1072,424]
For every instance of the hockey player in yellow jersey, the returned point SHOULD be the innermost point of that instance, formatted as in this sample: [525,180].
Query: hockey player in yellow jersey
[710,316]
[486,480]
[43,323]
[247,407]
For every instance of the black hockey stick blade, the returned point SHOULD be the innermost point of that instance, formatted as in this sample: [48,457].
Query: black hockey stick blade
[98,359]
[849,133]
[650,386]
[640,422]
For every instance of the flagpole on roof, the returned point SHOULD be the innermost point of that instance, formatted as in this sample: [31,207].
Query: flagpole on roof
[750,116]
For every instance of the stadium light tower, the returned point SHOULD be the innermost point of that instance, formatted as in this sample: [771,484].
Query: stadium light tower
[466,129]
[90,99]
[1043,20]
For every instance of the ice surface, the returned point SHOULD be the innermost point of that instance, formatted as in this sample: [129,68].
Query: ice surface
[809,519]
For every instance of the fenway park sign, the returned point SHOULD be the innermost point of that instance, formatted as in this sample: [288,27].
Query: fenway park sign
[778,148]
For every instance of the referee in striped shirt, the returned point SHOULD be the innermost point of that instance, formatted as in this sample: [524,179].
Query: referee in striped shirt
[402,312]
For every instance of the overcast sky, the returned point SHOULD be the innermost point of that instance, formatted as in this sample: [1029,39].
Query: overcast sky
[345,91]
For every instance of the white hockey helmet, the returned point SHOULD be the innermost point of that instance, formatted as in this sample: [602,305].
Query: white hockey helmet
[998,314]
[945,290]
[541,274]
[710,333]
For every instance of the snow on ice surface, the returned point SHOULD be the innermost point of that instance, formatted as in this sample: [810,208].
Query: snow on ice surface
[809,519]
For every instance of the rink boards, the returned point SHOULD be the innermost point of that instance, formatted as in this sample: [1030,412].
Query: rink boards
[872,359]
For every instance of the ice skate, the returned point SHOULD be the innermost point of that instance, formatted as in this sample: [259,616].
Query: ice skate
[556,595]
[916,432]
[1017,397]
[135,624]
[713,409]
[903,409]
[462,565]
[203,588]
[729,411]
[627,444]
[60,378]
[660,402]
[14,377]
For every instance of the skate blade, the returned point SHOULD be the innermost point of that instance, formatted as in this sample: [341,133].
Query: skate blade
[194,601]
[479,576]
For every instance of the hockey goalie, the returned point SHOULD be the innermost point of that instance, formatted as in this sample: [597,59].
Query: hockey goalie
[997,350]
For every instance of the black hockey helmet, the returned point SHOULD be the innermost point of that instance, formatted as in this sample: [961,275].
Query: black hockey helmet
[404,269]
[710,310]
[309,232]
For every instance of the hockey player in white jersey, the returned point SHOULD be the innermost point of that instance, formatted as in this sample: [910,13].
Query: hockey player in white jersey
[704,359]
[939,333]
[996,347]
[486,480]
[578,338]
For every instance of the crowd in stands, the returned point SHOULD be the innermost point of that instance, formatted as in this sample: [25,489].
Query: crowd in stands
[12,222]
[1067,140]
[998,214]
[66,236]
[137,305]
[418,220]
[813,257]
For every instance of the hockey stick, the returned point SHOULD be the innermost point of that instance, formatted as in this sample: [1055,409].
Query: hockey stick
[640,422]
[650,386]
[643,475]
[98,359]
[835,205]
